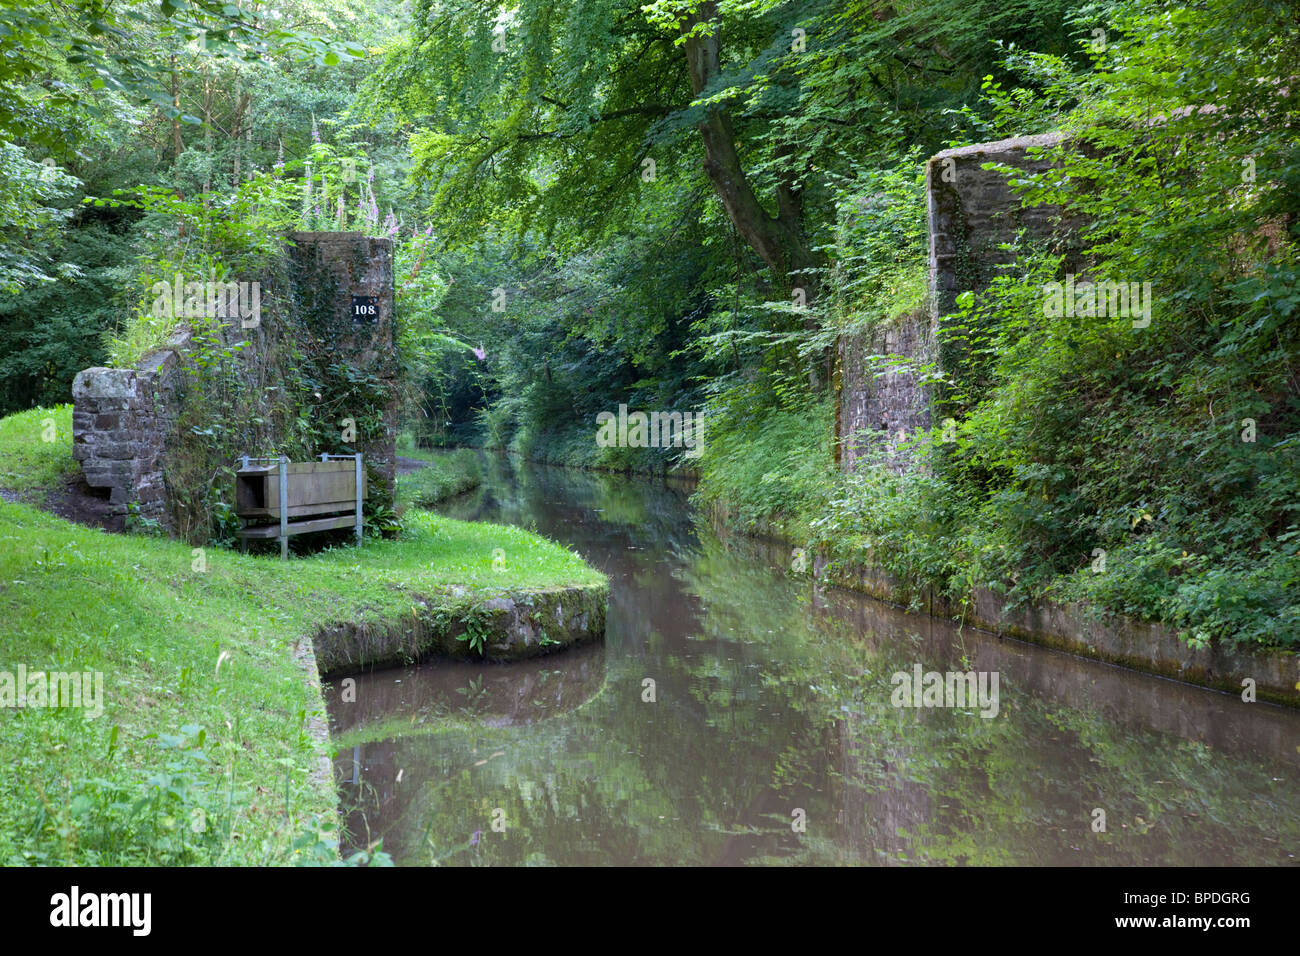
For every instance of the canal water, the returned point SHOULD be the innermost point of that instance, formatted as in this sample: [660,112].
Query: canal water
[737,713]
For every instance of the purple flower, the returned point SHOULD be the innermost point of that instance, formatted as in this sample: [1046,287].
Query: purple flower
[473,840]
[479,353]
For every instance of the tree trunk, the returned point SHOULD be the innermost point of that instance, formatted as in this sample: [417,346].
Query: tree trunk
[778,240]
[237,131]
[178,145]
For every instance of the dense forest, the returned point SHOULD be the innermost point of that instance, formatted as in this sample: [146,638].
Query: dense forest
[687,206]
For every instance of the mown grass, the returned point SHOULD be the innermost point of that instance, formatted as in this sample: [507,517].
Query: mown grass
[204,752]
[37,448]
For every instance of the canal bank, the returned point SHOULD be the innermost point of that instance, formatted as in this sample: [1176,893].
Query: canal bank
[500,626]
[208,743]
[1271,674]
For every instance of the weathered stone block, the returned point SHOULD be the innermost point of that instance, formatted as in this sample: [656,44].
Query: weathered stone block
[106,383]
[103,474]
[149,494]
[116,451]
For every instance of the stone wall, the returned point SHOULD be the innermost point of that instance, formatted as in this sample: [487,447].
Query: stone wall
[972,212]
[123,418]
[881,400]
[515,625]
[330,268]
[120,419]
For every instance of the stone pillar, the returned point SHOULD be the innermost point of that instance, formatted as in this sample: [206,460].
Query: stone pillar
[972,212]
[344,289]
[338,310]
[120,420]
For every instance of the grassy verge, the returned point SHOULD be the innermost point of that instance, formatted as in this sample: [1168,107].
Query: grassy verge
[204,751]
[35,448]
[769,471]
[445,475]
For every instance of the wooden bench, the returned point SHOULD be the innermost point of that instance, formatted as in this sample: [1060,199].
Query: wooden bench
[317,496]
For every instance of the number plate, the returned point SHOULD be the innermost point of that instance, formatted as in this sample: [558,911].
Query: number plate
[365,309]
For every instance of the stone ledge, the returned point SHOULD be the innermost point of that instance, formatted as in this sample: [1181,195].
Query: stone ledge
[1000,147]
[515,622]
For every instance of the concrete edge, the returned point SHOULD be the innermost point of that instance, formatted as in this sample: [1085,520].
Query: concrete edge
[321,776]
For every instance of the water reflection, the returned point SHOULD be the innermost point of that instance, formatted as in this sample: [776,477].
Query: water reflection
[767,733]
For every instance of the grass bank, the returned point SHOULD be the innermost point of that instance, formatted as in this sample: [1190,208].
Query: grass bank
[444,474]
[770,470]
[209,748]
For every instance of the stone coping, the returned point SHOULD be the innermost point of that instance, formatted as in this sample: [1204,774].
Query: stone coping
[516,624]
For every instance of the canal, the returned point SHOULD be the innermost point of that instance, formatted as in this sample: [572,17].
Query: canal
[740,714]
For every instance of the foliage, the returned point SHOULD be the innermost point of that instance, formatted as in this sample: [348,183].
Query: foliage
[477,622]
[1082,435]
[30,214]
[1069,474]
[766,463]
